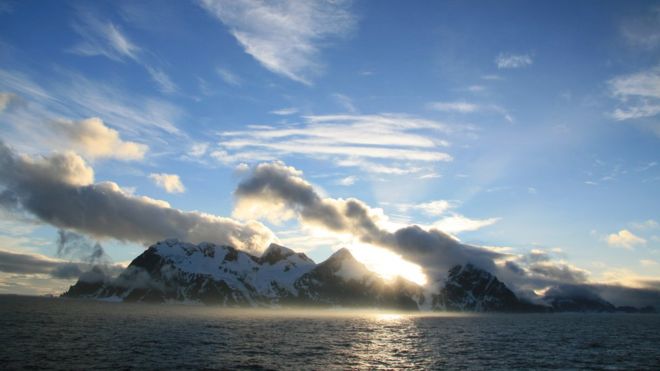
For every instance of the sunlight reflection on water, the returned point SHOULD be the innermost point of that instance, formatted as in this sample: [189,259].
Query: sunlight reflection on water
[389,316]
[74,334]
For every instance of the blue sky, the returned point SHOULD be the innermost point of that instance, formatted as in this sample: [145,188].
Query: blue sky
[520,126]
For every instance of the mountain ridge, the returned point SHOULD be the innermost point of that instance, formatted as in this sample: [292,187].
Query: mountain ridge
[175,271]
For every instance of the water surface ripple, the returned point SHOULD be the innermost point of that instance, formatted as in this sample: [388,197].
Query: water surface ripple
[78,334]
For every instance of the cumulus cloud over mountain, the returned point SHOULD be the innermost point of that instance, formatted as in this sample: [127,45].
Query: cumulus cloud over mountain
[279,192]
[275,191]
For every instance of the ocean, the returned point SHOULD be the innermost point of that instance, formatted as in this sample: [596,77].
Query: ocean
[67,334]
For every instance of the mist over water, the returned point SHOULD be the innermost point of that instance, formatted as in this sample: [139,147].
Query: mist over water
[80,334]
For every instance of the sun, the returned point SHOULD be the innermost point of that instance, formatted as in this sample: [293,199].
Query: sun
[387,264]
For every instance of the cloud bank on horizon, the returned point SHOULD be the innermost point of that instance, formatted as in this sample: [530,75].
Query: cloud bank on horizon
[535,158]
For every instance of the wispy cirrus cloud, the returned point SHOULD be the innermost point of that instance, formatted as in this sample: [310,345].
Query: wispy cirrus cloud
[51,102]
[345,140]
[643,30]
[104,38]
[345,102]
[510,60]
[431,208]
[285,36]
[458,106]
[162,79]
[469,107]
[228,77]
[450,222]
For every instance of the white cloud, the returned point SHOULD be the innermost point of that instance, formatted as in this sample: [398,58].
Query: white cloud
[453,223]
[432,208]
[509,60]
[466,107]
[463,107]
[624,238]
[171,183]
[378,168]
[476,88]
[648,263]
[242,168]
[647,166]
[94,140]
[76,96]
[284,111]
[348,181]
[198,149]
[643,31]
[642,84]
[285,35]
[346,140]
[227,158]
[228,76]
[639,110]
[638,94]
[431,175]
[459,223]
[645,225]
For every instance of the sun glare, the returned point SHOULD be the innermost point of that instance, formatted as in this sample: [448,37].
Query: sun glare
[387,317]
[387,264]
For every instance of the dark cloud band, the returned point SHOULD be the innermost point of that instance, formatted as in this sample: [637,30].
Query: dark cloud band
[59,190]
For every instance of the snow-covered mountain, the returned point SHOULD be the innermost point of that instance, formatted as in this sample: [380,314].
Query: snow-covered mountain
[342,280]
[177,271]
[174,271]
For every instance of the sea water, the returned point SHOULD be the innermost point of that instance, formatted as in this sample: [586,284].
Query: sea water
[80,334]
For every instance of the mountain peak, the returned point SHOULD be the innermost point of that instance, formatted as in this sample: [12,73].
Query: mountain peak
[343,264]
[341,254]
[469,287]
[275,253]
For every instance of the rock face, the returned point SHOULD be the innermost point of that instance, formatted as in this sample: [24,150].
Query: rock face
[469,288]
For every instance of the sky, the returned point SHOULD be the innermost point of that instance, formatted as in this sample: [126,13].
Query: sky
[526,129]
